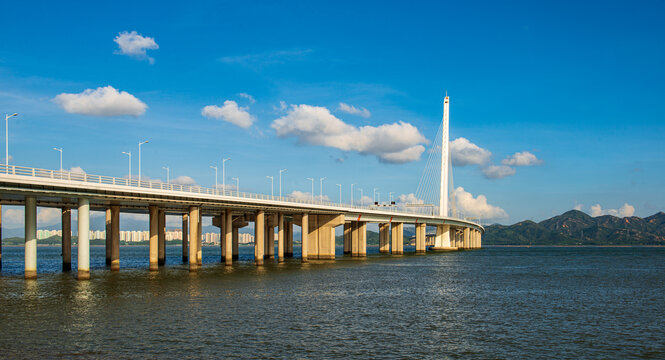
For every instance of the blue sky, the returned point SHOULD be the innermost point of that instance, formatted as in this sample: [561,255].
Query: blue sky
[578,86]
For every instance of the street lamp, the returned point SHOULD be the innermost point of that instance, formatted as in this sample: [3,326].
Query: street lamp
[7,138]
[224,175]
[312,187]
[60,150]
[280,182]
[391,197]
[321,188]
[374,195]
[272,185]
[237,185]
[340,193]
[167,174]
[215,167]
[141,143]
[362,203]
[352,194]
[129,154]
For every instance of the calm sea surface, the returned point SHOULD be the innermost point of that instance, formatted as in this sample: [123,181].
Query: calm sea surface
[491,303]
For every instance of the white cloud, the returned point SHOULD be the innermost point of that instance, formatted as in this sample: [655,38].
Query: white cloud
[350,109]
[229,112]
[390,143]
[306,196]
[183,180]
[523,158]
[463,152]
[135,45]
[624,211]
[411,198]
[578,207]
[248,97]
[478,206]
[364,200]
[498,171]
[103,101]
[77,170]
[48,216]
[12,218]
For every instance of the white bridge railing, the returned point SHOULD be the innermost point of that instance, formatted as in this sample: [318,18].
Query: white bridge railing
[160,185]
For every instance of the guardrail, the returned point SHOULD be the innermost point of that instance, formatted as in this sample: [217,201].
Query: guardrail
[160,185]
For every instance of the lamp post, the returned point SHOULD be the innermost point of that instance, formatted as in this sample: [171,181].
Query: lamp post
[362,203]
[140,143]
[340,193]
[168,180]
[280,182]
[352,194]
[312,187]
[374,195]
[129,154]
[215,167]
[321,188]
[60,150]
[237,185]
[272,187]
[224,175]
[390,194]
[7,138]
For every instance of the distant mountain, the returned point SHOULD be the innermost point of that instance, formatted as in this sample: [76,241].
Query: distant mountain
[577,228]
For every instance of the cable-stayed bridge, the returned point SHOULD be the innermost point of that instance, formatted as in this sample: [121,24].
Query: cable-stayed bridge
[232,210]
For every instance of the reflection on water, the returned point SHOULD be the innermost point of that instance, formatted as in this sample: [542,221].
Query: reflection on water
[492,303]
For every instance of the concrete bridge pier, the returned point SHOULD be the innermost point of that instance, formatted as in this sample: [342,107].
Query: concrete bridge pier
[347,238]
[384,238]
[220,221]
[193,232]
[280,237]
[288,239]
[108,236]
[83,239]
[228,237]
[30,237]
[420,238]
[161,238]
[304,237]
[442,240]
[115,237]
[236,238]
[153,242]
[185,238]
[466,238]
[199,240]
[397,247]
[359,239]
[259,240]
[269,239]
[66,218]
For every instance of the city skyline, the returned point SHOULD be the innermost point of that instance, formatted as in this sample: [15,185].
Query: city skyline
[529,137]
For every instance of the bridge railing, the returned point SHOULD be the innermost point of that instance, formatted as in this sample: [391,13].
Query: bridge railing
[81,176]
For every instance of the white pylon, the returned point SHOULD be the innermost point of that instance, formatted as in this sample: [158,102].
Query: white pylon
[443,198]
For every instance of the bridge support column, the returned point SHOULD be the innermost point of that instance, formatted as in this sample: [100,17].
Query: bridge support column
[199,240]
[83,239]
[280,237]
[115,237]
[466,238]
[304,237]
[359,239]
[397,238]
[235,243]
[259,241]
[288,238]
[442,240]
[480,240]
[384,238]
[154,237]
[420,238]
[185,238]
[228,237]
[66,238]
[108,237]
[222,234]
[194,224]
[161,238]
[30,237]
[347,237]
[270,237]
